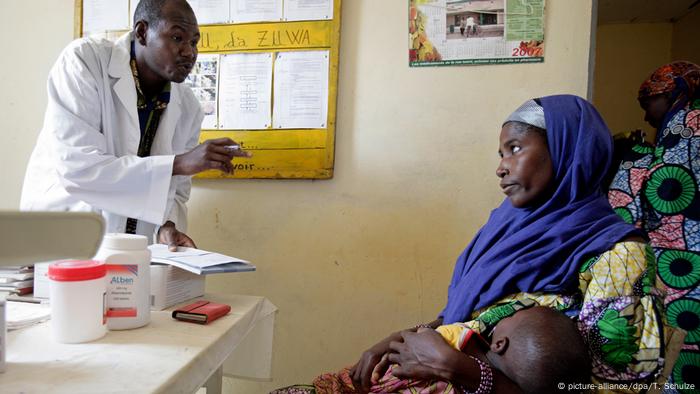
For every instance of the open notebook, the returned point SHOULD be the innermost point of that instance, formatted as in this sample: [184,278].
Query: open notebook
[200,262]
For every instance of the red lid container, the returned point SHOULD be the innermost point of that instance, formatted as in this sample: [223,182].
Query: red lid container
[76,270]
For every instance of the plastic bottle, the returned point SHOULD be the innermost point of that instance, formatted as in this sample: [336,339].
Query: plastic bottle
[77,300]
[3,333]
[128,280]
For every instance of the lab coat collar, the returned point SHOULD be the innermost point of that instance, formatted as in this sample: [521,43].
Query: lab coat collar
[124,87]
[120,68]
[119,62]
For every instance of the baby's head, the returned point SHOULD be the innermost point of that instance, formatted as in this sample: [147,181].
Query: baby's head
[539,348]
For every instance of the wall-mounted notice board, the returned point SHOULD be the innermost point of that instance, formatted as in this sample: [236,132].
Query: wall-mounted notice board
[266,76]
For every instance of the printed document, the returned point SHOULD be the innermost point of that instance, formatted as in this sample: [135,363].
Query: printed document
[102,15]
[245,91]
[304,10]
[244,11]
[301,90]
[210,11]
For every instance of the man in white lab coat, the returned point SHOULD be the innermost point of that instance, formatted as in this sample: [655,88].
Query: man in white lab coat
[120,134]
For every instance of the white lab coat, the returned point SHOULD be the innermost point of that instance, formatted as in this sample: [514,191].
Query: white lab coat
[86,158]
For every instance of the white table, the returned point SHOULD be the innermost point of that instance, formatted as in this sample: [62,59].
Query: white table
[165,356]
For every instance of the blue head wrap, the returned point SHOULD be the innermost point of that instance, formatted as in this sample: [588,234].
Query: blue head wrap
[540,249]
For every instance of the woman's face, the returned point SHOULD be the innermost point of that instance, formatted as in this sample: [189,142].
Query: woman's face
[526,168]
[655,108]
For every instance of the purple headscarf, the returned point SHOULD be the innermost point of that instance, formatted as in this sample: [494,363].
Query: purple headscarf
[540,249]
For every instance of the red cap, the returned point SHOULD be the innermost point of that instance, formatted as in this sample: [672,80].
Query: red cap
[76,270]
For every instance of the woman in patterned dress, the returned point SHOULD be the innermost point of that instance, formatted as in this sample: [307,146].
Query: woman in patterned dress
[656,189]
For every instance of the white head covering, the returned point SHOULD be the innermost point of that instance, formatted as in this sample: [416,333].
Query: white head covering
[530,113]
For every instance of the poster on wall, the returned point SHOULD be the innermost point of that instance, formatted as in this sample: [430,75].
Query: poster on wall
[203,80]
[475,32]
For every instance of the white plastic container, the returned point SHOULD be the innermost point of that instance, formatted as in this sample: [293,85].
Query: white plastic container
[77,300]
[3,333]
[128,261]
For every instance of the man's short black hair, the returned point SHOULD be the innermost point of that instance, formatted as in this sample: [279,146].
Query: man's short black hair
[151,11]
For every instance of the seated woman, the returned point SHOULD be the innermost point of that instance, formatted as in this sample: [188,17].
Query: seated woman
[555,242]
[656,189]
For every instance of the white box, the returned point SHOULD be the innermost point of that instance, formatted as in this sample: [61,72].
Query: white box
[171,285]
[41,280]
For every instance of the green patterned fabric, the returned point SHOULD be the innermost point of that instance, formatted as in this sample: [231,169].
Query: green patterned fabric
[656,189]
[618,308]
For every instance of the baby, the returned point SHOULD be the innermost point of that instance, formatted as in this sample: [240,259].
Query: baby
[537,348]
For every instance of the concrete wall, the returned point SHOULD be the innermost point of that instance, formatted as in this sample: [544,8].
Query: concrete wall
[370,251]
[37,31]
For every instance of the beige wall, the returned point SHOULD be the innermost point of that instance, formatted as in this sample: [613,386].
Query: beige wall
[686,45]
[370,251]
[36,32]
[625,56]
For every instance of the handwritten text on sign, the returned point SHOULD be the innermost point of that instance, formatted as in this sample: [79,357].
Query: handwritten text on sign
[265,36]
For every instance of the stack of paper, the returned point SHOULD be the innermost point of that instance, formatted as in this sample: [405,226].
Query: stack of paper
[16,280]
[171,285]
[23,314]
[198,261]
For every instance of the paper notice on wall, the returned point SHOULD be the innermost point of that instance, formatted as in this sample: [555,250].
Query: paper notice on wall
[245,91]
[210,11]
[203,80]
[244,11]
[301,90]
[301,10]
[103,15]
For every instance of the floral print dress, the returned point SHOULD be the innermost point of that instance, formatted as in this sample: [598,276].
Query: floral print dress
[619,314]
[656,189]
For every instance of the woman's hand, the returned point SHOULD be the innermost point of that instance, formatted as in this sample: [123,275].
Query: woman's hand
[171,236]
[422,355]
[362,372]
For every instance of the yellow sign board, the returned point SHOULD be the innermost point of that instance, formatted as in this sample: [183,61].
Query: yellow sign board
[265,36]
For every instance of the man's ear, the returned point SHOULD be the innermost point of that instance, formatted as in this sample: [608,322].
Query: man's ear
[140,32]
[499,345]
